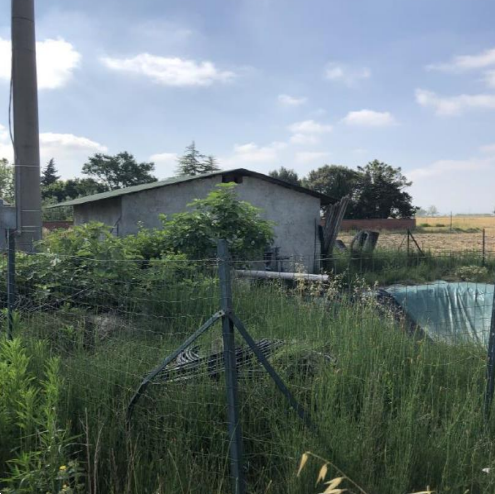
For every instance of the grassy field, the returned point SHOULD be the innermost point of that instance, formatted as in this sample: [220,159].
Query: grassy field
[396,414]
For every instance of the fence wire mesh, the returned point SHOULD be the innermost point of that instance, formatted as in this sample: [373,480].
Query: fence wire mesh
[396,402]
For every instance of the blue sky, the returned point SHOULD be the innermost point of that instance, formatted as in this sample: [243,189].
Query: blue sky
[264,83]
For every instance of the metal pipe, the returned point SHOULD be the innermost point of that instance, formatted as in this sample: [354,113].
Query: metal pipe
[246,273]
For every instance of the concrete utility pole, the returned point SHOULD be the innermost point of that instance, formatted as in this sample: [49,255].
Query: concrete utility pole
[26,129]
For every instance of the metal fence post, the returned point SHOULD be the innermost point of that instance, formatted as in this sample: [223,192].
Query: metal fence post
[490,370]
[235,434]
[10,282]
[483,248]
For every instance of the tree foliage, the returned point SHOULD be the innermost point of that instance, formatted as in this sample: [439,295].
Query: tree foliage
[192,162]
[119,171]
[335,181]
[195,233]
[7,192]
[376,190]
[381,192]
[64,190]
[287,175]
[49,175]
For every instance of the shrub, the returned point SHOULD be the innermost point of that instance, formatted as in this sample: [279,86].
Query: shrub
[221,215]
[77,263]
[29,426]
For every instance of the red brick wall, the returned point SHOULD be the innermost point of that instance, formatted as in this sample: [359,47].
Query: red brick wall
[376,224]
[54,225]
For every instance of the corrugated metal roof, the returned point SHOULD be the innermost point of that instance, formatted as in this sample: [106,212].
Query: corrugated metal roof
[179,180]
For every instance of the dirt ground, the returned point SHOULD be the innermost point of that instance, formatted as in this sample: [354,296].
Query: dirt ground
[435,242]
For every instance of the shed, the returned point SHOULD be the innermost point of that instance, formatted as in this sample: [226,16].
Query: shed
[294,210]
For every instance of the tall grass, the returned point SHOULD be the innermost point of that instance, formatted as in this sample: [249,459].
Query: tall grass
[386,266]
[395,413]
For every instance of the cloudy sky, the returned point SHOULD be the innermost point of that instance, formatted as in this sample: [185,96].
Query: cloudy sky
[264,83]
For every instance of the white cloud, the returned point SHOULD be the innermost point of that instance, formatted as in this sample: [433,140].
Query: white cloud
[488,149]
[56,61]
[466,62]
[304,139]
[310,127]
[304,157]
[252,153]
[68,150]
[369,118]
[286,100]
[444,167]
[489,78]
[343,73]
[165,159]
[170,71]
[454,105]
[5,144]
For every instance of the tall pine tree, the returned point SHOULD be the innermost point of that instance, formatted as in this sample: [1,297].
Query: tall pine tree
[192,162]
[49,175]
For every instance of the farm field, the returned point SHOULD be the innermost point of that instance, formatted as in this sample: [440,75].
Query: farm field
[466,235]
[440,242]
[463,222]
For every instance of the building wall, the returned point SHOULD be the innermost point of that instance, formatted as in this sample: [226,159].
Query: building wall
[296,215]
[108,211]
[144,207]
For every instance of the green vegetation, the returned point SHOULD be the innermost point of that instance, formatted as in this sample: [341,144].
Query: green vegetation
[386,267]
[192,162]
[97,313]
[376,190]
[394,413]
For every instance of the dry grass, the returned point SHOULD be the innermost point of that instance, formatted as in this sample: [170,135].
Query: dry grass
[463,222]
[466,235]
[435,241]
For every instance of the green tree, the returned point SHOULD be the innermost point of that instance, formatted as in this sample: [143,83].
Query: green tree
[63,190]
[119,171]
[210,165]
[49,175]
[376,190]
[7,191]
[220,215]
[381,192]
[192,162]
[335,181]
[286,174]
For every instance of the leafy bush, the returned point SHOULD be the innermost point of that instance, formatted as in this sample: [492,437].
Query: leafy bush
[29,426]
[221,215]
[77,263]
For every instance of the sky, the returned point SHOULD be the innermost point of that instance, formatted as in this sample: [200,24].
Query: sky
[261,84]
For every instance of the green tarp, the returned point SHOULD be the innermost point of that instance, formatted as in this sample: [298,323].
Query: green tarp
[451,312]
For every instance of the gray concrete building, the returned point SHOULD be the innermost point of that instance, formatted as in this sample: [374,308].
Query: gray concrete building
[294,210]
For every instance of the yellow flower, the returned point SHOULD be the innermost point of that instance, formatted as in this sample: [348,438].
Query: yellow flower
[63,468]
